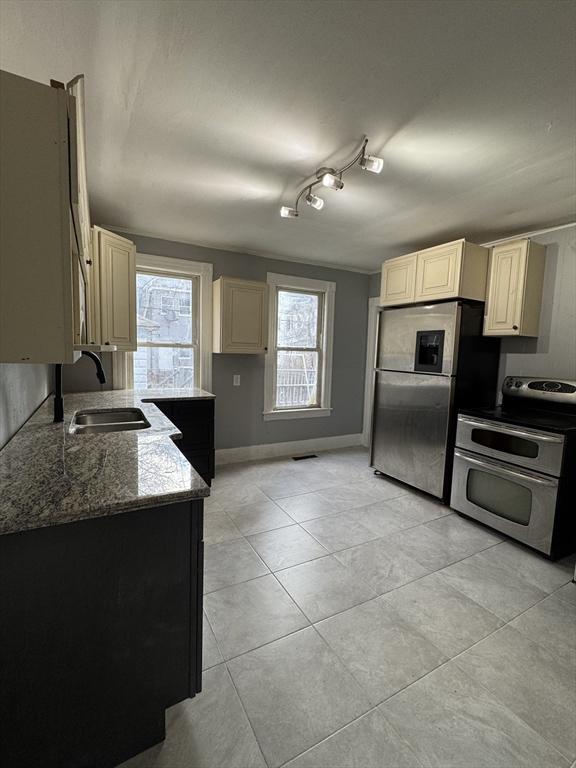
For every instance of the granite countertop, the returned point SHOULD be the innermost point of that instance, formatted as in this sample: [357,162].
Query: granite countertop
[50,476]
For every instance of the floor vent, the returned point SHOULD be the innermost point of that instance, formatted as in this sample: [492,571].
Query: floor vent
[307,456]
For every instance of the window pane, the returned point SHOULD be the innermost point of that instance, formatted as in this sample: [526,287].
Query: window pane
[164,308]
[297,379]
[163,368]
[297,319]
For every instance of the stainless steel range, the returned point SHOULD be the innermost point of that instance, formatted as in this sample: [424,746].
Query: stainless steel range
[514,466]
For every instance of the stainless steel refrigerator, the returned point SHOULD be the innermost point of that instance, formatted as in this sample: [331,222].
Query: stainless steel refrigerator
[430,361]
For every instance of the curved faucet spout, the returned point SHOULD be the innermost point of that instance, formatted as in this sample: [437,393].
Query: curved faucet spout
[100,373]
[58,395]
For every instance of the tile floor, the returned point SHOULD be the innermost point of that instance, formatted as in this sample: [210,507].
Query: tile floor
[351,623]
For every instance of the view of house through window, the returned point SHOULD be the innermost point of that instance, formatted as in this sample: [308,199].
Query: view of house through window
[167,355]
[298,349]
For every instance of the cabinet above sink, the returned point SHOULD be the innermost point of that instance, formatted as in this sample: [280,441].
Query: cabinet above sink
[63,289]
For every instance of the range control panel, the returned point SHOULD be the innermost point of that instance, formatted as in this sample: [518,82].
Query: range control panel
[553,390]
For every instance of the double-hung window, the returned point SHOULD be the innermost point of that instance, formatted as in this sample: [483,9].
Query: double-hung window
[299,360]
[173,300]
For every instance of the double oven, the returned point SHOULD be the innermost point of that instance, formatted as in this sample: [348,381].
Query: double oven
[513,466]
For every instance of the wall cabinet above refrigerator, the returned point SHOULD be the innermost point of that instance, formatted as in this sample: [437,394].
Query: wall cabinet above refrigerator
[455,270]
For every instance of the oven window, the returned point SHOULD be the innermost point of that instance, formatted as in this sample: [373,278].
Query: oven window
[502,497]
[516,446]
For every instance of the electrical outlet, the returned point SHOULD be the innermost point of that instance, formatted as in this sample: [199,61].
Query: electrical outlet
[236,380]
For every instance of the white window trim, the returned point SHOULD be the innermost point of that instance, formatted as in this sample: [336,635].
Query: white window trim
[305,284]
[172,268]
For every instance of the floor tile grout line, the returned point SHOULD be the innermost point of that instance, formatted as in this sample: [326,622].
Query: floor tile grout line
[525,634]
[372,707]
[205,617]
[249,721]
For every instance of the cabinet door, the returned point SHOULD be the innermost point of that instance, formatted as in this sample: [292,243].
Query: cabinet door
[438,272]
[117,290]
[244,316]
[398,280]
[504,305]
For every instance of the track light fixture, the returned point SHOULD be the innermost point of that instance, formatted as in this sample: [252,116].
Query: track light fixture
[331,178]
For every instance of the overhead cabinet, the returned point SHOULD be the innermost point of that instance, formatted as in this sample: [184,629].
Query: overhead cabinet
[399,280]
[43,275]
[450,271]
[515,289]
[113,291]
[60,292]
[240,309]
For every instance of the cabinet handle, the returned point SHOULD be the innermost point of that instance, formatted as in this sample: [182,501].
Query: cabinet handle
[514,327]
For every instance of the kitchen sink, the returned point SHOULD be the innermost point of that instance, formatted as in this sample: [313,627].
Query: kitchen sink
[108,420]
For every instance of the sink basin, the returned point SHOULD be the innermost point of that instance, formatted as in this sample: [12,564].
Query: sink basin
[110,416]
[108,420]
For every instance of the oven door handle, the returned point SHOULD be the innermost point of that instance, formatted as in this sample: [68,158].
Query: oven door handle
[536,436]
[505,470]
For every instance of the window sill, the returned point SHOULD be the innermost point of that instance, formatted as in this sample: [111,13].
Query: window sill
[296,413]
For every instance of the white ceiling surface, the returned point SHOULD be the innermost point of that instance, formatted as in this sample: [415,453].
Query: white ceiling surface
[204,117]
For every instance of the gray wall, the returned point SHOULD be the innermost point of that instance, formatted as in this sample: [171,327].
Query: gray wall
[553,353]
[374,284]
[22,389]
[239,419]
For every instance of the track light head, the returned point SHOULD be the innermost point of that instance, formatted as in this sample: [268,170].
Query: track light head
[288,213]
[315,201]
[331,181]
[372,163]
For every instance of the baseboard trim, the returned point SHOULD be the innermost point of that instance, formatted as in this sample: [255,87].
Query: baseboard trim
[275,450]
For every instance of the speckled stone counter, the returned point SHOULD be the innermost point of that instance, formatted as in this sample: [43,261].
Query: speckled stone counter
[50,476]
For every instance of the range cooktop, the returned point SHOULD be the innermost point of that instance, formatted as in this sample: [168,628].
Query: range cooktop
[534,403]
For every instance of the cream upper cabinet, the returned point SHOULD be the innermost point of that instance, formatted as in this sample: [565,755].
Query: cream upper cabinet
[515,289]
[240,310]
[450,271]
[398,280]
[43,279]
[115,258]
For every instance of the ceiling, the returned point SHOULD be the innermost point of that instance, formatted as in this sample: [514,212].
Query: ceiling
[204,117]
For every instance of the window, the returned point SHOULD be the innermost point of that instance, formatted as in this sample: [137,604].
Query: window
[174,307]
[299,361]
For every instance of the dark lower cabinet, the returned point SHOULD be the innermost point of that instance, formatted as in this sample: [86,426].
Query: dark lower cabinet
[100,632]
[195,419]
